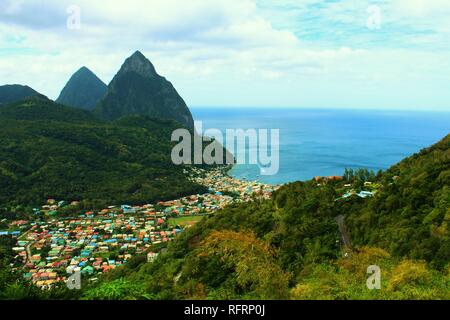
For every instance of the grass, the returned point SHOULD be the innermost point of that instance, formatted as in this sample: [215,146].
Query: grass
[184,221]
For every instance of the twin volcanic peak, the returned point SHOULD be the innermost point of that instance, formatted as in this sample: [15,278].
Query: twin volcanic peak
[84,90]
[138,89]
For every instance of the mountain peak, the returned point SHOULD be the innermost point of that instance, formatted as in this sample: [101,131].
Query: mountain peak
[139,64]
[84,69]
[138,55]
[84,72]
[137,89]
[83,90]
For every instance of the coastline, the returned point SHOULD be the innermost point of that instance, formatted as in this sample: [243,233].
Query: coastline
[54,247]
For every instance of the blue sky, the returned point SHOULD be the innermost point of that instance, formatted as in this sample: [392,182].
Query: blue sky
[272,53]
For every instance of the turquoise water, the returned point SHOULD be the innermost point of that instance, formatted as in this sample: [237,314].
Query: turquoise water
[325,142]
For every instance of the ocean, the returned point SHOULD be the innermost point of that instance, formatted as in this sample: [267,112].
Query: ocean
[325,142]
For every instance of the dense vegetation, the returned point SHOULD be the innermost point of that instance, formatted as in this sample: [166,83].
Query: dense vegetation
[287,247]
[40,108]
[15,92]
[290,246]
[84,90]
[51,151]
[411,213]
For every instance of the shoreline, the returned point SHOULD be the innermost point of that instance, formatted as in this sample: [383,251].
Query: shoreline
[96,242]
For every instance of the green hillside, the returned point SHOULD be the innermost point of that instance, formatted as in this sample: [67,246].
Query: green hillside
[40,108]
[47,150]
[291,247]
[411,213]
[15,92]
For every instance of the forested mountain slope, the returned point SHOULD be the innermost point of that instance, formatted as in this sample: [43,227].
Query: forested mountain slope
[14,92]
[290,246]
[410,215]
[51,151]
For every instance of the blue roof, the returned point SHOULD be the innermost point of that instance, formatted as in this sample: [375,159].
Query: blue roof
[365,194]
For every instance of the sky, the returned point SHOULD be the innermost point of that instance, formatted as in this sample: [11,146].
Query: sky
[378,54]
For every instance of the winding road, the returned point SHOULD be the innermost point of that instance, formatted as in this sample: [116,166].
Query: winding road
[340,220]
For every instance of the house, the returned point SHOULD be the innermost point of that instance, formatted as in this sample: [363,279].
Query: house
[88,270]
[128,209]
[108,268]
[36,258]
[365,194]
[61,203]
[19,223]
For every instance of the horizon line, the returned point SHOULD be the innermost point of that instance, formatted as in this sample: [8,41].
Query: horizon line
[319,108]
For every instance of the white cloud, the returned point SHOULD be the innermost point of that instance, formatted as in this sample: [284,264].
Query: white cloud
[217,52]
[421,8]
[195,38]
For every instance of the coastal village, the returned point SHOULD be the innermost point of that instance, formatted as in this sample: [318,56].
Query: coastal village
[52,249]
